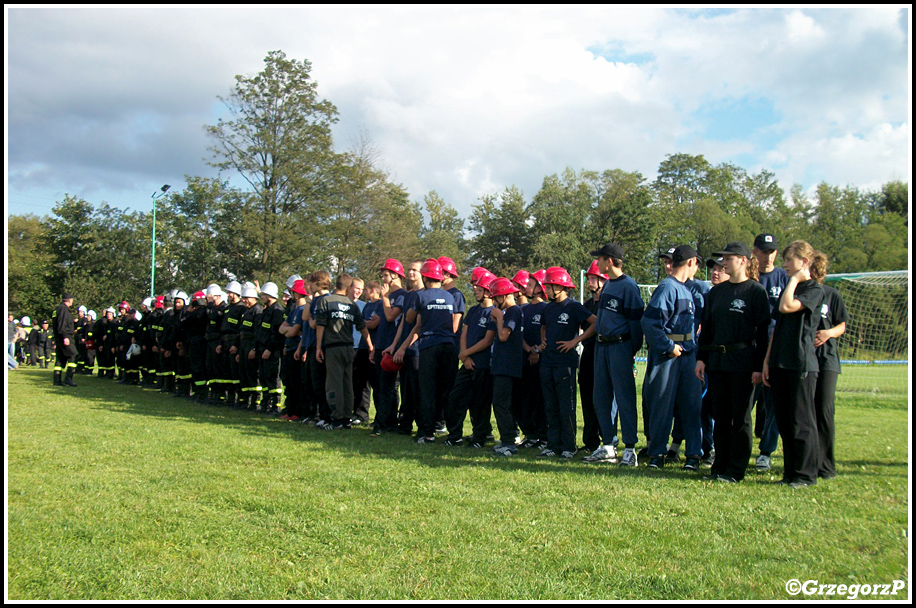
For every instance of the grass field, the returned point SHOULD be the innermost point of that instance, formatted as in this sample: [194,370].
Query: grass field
[117,493]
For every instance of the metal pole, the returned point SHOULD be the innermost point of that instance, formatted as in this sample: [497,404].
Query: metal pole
[152,270]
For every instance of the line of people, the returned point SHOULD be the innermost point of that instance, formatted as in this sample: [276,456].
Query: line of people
[429,361]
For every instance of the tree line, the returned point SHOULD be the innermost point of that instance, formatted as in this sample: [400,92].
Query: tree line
[304,206]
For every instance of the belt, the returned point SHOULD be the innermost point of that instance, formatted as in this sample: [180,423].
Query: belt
[679,337]
[728,348]
[613,339]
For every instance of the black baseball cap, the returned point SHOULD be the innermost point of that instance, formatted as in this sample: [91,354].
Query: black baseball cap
[765,242]
[610,250]
[668,254]
[735,248]
[683,253]
[713,262]
[66,296]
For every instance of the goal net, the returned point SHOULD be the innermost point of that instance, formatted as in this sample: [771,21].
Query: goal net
[874,350]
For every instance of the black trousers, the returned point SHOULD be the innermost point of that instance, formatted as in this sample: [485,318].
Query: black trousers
[793,399]
[410,393]
[471,391]
[438,365]
[502,408]
[365,384]
[291,374]
[591,430]
[386,407]
[824,407]
[732,397]
[531,416]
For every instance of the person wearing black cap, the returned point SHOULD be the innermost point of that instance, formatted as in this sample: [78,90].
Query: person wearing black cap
[670,381]
[620,310]
[64,343]
[732,347]
[832,326]
[774,280]
[716,267]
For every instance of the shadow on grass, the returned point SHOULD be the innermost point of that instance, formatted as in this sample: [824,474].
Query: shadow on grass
[109,395]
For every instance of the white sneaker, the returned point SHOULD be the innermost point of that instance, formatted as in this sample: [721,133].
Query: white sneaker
[605,453]
[567,454]
[629,458]
[763,464]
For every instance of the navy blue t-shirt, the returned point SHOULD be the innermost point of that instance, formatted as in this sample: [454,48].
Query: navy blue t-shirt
[460,307]
[562,320]
[372,308]
[506,357]
[435,308]
[774,282]
[476,322]
[532,322]
[386,329]
[410,301]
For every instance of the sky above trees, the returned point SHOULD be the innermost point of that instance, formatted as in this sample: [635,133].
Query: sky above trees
[109,104]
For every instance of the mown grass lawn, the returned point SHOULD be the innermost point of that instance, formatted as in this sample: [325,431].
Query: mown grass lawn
[117,493]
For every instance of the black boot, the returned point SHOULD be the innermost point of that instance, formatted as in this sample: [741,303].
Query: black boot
[68,376]
[57,380]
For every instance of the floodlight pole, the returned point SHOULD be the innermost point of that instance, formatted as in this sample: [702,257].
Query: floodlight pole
[152,269]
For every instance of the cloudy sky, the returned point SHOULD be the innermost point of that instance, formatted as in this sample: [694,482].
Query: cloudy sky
[109,104]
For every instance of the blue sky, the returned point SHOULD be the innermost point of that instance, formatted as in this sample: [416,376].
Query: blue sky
[110,103]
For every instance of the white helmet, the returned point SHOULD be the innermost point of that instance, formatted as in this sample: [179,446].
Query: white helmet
[148,302]
[25,321]
[110,310]
[250,292]
[138,315]
[214,290]
[92,315]
[180,295]
[82,309]
[234,287]
[271,290]
[133,351]
[248,285]
[292,280]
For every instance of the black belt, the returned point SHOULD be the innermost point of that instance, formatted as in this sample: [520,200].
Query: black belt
[679,337]
[613,339]
[728,348]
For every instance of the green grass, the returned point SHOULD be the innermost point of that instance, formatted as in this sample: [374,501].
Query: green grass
[117,493]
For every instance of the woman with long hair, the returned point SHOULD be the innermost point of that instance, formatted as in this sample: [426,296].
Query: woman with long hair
[791,366]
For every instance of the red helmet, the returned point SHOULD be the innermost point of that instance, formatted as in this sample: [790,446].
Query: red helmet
[502,287]
[539,277]
[477,273]
[521,278]
[160,302]
[389,365]
[431,269]
[558,276]
[448,266]
[124,304]
[394,266]
[486,279]
[593,270]
[199,295]
[298,287]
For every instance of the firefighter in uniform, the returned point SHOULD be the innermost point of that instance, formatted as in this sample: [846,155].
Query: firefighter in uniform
[79,334]
[44,342]
[250,392]
[176,345]
[195,329]
[64,331]
[229,343]
[216,382]
[270,348]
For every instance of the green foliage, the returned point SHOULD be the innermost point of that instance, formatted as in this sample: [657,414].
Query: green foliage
[30,268]
[444,234]
[503,240]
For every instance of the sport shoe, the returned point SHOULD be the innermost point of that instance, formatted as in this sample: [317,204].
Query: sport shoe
[692,464]
[726,479]
[530,443]
[567,454]
[798,483]
[454,442]
[672,457]
[605,453]
[474,445]
[657,462]
[375,433]
[629,458]
[424,440]
[505,450]
[547,453]
[763,464]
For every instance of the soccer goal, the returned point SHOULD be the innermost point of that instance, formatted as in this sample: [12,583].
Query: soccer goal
[874,350]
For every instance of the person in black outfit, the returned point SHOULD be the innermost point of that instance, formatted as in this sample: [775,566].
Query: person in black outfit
[732,348]
[64,343]
[832,326]
[791,367]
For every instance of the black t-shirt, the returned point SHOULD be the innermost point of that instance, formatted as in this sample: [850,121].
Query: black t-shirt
[793,338]
[833,312]
[736,313]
